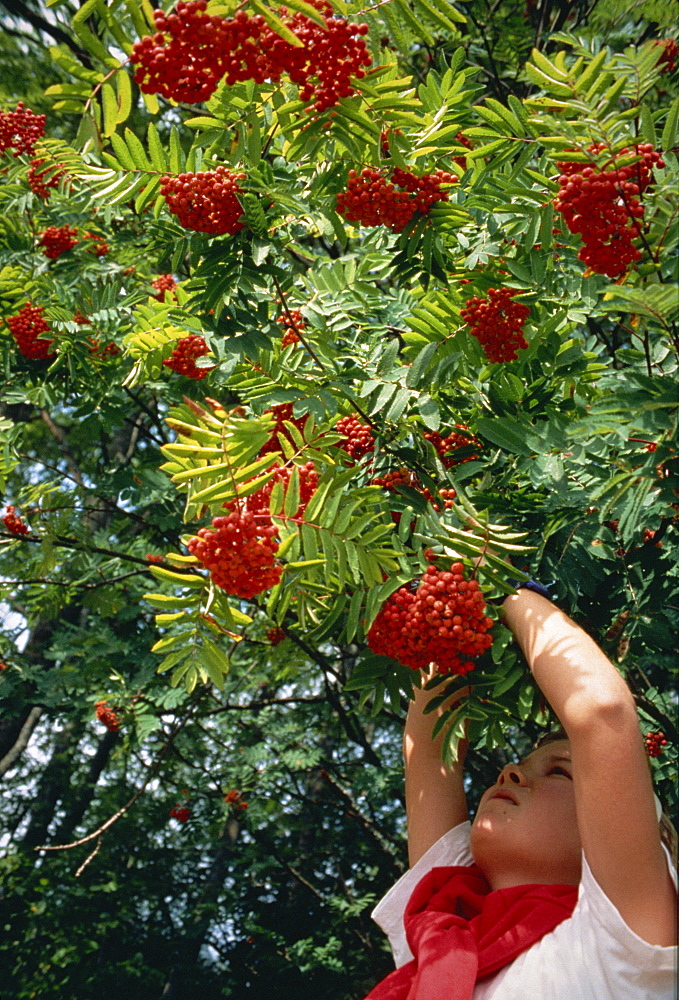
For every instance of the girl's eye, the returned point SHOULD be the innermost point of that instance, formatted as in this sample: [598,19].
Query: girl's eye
[559,770]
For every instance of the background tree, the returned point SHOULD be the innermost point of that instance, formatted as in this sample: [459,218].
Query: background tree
[415,271]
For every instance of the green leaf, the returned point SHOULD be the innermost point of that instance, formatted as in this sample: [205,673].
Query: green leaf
[508,435]
[275,23]
[156,151]
[593,72]
[669,133]
[429,411]
[215,662]
[110,105]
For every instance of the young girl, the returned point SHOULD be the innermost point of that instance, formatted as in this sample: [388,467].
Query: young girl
[561,888]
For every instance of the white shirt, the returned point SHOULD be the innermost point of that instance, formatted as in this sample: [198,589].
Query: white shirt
[593,955]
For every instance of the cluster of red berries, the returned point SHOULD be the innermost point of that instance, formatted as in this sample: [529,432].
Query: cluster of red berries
[101,247]
[497,323]
[282,413]
[404,477]
[107,716]
[668,56]
[276,635]
[185,59]
[291,320]
[43,181]
[151,557]
[649,536]
[183,357]
[234,798]
[384,139]
[164,283]
[180,813]
[4,666]
[602,205]
[654,743]
[107,350]
[26,328]
[259,502]
[357,437]
[96,348]
[372,200]
[454,442]
[192,51]
[13,522]
[463,141]
[442,621]
[206,202]
[20,129]
[240,553]
[57,240]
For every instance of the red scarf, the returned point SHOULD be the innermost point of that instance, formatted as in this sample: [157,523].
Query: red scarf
[459,931]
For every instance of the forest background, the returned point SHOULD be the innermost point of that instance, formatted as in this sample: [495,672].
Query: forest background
[202,784]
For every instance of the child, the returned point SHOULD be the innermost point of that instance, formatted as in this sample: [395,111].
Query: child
[561,888]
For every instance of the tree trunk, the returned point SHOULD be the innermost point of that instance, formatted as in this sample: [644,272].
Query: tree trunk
[52,787]
[79,802]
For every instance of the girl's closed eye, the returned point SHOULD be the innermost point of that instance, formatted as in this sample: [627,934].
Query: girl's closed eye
[556,769]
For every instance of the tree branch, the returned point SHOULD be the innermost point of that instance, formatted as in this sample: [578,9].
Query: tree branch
[21,743]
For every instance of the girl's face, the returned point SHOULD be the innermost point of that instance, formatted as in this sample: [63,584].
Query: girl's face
[525,830]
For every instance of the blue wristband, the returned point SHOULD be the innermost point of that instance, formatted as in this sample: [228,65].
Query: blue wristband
[531,585]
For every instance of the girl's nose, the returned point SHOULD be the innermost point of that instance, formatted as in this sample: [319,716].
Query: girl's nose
[512,773]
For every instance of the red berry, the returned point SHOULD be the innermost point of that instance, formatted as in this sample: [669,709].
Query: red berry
[107,716]
[57,240]
[20,129]
[292,321]
[372,200]
[13,522]
[276,635]
[404,477]
[259,502]
[26,328]
[101,247]
[240,553]
[358,439]
[654,743]
[41,182]
[164,283]
[192,51]
[180,813]
[497,323]
[463,141]
[601,204]
[454,442]
[442,621]
[206,202]
[668,57]
[183,358]
[282,413]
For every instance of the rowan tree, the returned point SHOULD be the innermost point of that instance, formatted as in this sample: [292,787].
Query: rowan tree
[315,341]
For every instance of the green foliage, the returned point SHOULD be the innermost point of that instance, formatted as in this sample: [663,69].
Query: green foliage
[570,474]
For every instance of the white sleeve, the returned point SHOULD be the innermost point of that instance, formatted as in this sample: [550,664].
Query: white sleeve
[615,939]
[451,849]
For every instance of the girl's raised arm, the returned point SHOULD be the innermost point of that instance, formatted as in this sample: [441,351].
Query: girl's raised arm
[613,790]
[435,799]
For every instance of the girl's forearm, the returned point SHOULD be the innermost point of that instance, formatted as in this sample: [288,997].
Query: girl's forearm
[575,676]
[435,799]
